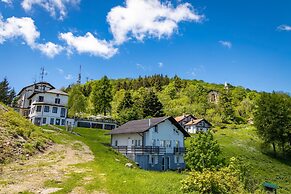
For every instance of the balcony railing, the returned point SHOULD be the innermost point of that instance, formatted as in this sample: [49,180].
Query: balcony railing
[140,150]
[179,150]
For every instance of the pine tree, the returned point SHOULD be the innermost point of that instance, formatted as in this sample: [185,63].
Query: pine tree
[101,97]
[126,102]
[227,112]
[6,94]
[152,107]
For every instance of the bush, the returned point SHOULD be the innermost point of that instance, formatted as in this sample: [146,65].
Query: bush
[233,178]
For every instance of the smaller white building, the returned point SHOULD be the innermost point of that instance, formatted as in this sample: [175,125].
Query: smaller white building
[192,124]
[48,107]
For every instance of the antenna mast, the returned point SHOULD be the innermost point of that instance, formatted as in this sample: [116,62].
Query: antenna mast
[42,74]
[79,76]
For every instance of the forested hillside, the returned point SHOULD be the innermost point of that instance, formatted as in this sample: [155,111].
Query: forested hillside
[127,99]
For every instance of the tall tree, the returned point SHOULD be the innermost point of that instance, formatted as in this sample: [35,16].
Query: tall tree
[6,94]
[225,103]
[126,102]
[272,119]
[101,96]
[152,107]
[77,101]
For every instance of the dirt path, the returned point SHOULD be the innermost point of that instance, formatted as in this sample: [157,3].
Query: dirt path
[54,164]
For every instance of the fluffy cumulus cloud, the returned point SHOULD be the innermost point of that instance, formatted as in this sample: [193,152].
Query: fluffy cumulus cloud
[56,8]
[284,28]
[88,44]
[24,28]
[50,49]
[226,44]
[142,18]
[6,1]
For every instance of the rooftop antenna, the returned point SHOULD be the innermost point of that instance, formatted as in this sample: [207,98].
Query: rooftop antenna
[79,76]
[42,74]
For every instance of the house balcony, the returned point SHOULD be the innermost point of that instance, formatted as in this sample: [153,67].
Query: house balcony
[179,150]
[140,150]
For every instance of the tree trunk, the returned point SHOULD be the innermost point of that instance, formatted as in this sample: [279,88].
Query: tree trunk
[274,149]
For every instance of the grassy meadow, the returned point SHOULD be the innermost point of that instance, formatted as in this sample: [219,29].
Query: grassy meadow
[111,176]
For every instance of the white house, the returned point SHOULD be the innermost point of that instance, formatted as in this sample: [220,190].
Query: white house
[192,124]
[154,144]
[24,103]
[49,107]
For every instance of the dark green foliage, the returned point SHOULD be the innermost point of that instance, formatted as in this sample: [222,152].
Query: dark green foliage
[126,102]
[101,97]
[152,107]
[203,153]
[227,112]
[272,119]
[6,93]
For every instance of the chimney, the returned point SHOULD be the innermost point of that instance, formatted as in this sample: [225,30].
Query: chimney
[149,122]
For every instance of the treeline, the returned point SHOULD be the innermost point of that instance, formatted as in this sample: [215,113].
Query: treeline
[127,99]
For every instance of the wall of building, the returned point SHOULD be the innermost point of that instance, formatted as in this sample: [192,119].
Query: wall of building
[168,134]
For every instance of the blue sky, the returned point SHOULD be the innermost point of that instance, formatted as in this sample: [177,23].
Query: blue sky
[245,43]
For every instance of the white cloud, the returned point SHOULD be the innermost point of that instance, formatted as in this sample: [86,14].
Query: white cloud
[24,28]
[148,18]
[226,44]
[69,77]
[56,8]
[18,27]
[284,28]
[161,64]
[89,44]
[61,71]
[9,2]
[50,49]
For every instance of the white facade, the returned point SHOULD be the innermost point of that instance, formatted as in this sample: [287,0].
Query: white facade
[49,107]
[24,102]
[201,126]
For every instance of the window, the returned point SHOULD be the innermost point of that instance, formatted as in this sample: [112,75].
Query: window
[57,101]
[63,121]
[36,87]
[30,102]
[55,109]
[135,143]
[154,142]
[40,98]
[38,108]
[63,112]
[52,121]
[46,109]
[43,120]
[156,129]
[175,159]
[156,159]
[116,143]
[139,143]
[58,121]
[150,159]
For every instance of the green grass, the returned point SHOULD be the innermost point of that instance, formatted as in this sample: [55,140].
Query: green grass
[108,173]
[243,142]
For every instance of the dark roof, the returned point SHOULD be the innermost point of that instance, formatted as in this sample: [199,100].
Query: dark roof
[140,126]
[180,118]
[53,91]
[196,121]
[45,83]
